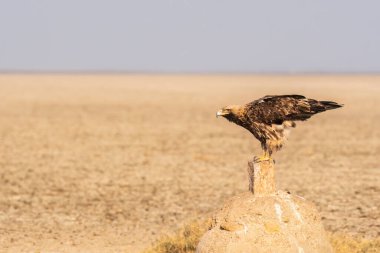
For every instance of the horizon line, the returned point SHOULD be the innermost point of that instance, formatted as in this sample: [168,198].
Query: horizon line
[126,72]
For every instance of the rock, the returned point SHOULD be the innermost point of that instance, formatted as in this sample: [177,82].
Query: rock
[267,221]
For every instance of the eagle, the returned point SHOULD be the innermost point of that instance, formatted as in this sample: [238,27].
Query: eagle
[270,118]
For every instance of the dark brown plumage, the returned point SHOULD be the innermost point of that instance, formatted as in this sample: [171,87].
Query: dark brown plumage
[270,118]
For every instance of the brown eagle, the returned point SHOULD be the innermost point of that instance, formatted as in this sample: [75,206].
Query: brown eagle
[270,118]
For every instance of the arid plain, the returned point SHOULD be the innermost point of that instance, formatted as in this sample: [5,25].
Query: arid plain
[108,163]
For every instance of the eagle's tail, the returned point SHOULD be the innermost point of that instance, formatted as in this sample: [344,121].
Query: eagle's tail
[321,106]
[329,105]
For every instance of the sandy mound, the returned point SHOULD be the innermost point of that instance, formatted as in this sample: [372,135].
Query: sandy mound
[278,223]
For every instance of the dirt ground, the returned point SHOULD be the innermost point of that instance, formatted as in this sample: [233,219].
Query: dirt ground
[107,163]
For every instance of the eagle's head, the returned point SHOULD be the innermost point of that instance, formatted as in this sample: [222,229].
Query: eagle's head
[230,111]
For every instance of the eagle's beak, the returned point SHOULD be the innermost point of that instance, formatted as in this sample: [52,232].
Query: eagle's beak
[219,113]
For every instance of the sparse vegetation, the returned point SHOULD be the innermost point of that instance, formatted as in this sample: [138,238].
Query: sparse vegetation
[186,239]
[349,244]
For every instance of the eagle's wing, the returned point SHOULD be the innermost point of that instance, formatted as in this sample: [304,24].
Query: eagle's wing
[277,109]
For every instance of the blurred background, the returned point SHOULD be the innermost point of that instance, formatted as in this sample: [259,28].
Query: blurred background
[108,135]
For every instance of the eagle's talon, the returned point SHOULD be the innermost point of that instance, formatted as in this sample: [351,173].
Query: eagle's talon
[263,159]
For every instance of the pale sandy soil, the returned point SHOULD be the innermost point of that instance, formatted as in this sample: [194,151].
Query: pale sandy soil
[109,163]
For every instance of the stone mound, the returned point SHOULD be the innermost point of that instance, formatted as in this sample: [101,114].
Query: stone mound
[278,222]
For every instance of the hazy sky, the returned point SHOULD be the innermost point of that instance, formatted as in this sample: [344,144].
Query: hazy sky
[190,35]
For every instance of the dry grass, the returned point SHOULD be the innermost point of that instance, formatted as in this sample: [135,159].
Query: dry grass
[186,239]
[349,244]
